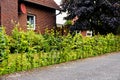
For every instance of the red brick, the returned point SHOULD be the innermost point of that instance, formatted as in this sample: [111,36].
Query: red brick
[45,15]
[9,13]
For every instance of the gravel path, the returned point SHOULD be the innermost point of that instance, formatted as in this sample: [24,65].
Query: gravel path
[105,67]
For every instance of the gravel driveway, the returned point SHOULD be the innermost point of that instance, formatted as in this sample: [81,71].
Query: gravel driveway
[106,67]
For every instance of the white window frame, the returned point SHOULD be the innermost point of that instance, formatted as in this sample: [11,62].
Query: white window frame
[29,24]
[89,33]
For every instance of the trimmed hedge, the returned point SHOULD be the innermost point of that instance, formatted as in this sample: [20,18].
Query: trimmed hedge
[27,50]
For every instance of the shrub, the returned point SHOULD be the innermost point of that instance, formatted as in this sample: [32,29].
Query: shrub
[31,50]
[4,45]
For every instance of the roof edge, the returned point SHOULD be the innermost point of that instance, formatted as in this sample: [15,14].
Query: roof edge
[53,5]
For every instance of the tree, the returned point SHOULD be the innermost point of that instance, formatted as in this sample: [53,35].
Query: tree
[103,16]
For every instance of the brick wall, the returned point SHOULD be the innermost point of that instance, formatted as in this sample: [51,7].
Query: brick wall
[84,32]
[45,17]
[22,19]
[9,14]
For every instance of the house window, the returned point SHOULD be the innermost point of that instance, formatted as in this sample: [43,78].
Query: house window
[89,33]
[31,22]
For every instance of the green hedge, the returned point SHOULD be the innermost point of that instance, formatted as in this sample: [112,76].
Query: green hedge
[27,50]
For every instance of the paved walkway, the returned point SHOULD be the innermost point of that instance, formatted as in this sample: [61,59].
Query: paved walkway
[105,67]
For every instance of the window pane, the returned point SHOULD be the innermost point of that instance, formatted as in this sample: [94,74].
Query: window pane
[31,22]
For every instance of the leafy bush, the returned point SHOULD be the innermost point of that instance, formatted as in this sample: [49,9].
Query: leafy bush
[27,50]
[4,42]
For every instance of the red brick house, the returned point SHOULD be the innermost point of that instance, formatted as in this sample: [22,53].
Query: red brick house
[39,14]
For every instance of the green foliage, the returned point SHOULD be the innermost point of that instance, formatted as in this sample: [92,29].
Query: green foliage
[68,23]
[27,50]
[4,42]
